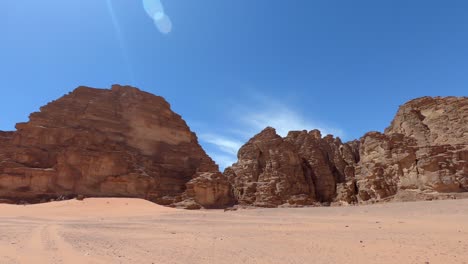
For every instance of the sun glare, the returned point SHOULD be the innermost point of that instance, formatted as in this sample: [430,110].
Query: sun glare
[155,11]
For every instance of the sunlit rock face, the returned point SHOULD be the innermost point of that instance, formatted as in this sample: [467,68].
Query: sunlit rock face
[118,142]
[124,142]
[424,150]
[303,168]
[422,155]
[269,173]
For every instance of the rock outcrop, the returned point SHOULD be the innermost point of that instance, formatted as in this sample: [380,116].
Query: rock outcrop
[423,154]
[269,173]
[124,142]
[300,169]
[424,150]
[121,142]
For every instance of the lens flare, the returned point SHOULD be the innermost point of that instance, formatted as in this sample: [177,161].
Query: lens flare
[158,16]
[164,24]
[155,11]
[120,38]
[152,7]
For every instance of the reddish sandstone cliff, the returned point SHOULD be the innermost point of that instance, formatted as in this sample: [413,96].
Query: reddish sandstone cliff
[127,143]
[118,142]
[424,151]
[422,155]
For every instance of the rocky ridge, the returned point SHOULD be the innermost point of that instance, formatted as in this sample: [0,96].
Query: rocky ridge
[422,155]
[121,142]
[124,142]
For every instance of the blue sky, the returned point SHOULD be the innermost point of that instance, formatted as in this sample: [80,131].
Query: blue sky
[231,68]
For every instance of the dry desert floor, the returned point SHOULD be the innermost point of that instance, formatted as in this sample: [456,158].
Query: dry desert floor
[137,231]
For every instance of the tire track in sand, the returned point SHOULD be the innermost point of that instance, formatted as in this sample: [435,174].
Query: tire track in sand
[47,246]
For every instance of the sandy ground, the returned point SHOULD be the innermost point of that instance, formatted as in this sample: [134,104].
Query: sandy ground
[136,231]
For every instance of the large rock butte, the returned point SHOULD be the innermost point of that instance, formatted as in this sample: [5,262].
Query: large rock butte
[422,155]
[121,142]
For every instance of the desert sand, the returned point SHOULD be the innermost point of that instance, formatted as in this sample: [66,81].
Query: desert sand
[137,231]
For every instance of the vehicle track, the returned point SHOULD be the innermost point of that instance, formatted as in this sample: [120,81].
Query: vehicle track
[46,245]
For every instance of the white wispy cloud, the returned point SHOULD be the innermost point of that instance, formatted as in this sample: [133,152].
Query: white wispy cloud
[283,119]
[226,145]
[224,161]
[250,118]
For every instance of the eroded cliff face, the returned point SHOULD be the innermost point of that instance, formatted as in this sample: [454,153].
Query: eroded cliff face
[424,151]
[423,154]
[300,169]
[269,173]
[433,121]
[118,142]
[124,142]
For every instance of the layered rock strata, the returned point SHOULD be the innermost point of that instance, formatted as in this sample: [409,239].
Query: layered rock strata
[124,142]
[425,150]
[121,142]
[424,153]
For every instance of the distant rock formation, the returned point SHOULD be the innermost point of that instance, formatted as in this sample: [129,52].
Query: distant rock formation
[422,155]
[121,142]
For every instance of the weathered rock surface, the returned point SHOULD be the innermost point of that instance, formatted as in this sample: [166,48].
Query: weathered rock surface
[118,142]
[424,150]
[127,143]
[301,169]
[269,173]
[423,154]
[433,121]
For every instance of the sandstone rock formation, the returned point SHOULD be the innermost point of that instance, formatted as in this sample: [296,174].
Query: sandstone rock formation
[269,173]
[422,154]
[425,150]
[127,143]
[118,142]
[300,169]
